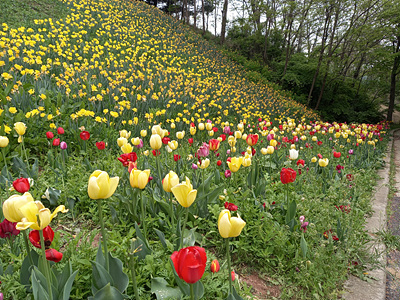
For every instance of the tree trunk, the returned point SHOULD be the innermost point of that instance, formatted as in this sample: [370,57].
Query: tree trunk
[393,74]
[194,13]
[321,54]
[224,17]
[204,21]
[330,53]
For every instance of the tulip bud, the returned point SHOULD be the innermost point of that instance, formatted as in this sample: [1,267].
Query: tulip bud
[214,267]
[101,186]
[143,133]
[201,126]
[155,141]
[139,179]
[3,141]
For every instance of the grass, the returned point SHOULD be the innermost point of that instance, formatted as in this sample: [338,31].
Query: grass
[17,13]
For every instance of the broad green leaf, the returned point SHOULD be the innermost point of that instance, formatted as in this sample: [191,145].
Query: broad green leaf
[159,286]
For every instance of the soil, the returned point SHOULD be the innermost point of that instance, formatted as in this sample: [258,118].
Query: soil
[262,289]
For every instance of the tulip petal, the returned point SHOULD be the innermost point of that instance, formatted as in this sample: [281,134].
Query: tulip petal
[60,208]
[237,225]
[143,179]
[44,217]
[224,225]
[191,197]
[93,188]
[29,211]
[181,192]
[103,183]
[113,186]
[24,224]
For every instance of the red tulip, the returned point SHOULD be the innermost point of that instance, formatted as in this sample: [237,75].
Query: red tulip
[233,275]
[223,137]
[101,145]
[300,162]
[337,154]
[127,157]
[190,140]
[165,140]
[84,135]
[230,206]
[177,157]
[214,144]
[190,263]
[288,175]
[49,135]
[21,185]
[156,152]
[60,130]
[214,267]
[219,163]
[252,139]
[48,235]
[56,142]
[53,255]
[7,229]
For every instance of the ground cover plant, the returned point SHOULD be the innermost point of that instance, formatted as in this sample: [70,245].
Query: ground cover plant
[142,164]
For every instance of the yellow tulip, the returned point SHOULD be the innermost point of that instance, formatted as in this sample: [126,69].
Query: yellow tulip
[180,134]
[264,151]
[246,160]
[184,193]
[270,150]
[127,148]
[146,152]
[173,126]
[208,126]
[12,205]
[135,141]
[229,226]
[155,141]
[170,180]
[192,130]
[235,163]
[20,128]
[211,133]
[273,143]
[101,186]
[143,133]
[173,145]
[4,141]
[201,126]
[314,159]
[121,141]
[124,133]
[156,129]
[238,135]
[323,162]
[32,210]
[139,179]
[204,163]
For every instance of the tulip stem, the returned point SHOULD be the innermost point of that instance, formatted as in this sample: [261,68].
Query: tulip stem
[27,246]
[159,170]
[46,265]
[133,272]
[172,210]
[191,291]
[143,217]
[228,259]
[5,164]
[103,234]
[26,156]
[184,225]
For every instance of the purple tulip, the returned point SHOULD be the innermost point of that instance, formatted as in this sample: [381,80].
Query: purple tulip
[140,144]
[228,173]
[270,137]
[194,166]
[204,150]
[351,151]
[227,129]
[63,145]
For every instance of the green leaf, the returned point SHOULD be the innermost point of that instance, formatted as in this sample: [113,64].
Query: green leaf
[198,289]
[183,286]
[303,246]
[25,271]
[68,286]
[159,286]
[121,280]
[39,285]
[143,250]
[190,238]
[108,292]
[100,277]
[161,236]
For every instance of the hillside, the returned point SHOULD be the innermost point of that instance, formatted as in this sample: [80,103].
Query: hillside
[118,56]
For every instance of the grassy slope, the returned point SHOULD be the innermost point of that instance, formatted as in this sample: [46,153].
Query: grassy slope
[22,12]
